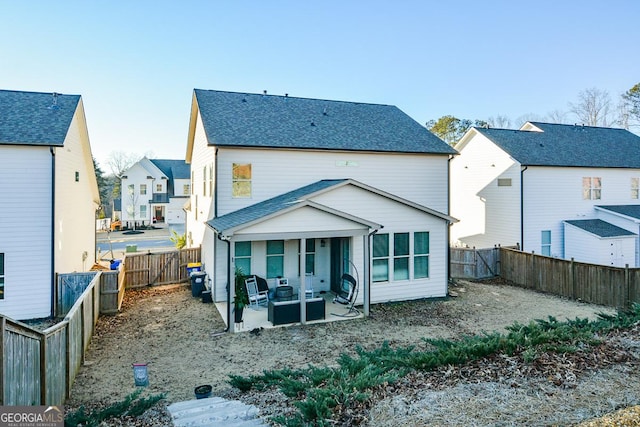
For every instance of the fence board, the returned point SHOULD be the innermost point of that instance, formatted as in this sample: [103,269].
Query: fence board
[597,284]
[21,360]
[472,263]
[158,268]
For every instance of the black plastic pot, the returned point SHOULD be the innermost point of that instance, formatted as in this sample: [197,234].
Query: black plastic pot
[203,391]
[238,314]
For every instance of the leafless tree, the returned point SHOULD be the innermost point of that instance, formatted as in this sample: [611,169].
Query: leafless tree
[556,116]
[593,107]
[528,117]
[499,121]
[120,161]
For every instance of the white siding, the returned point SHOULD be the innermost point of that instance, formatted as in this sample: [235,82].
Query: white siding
[76,201]
[419,178]
[488,214]
[25,230]
[555,194]
[202,208]
[136,175]
[175,210]
[588,248]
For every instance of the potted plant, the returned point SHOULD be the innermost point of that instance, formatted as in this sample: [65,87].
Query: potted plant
[240,300]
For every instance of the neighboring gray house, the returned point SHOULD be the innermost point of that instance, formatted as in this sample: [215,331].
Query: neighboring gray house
[566,191]
[48,198]
[154,191]
[295,187]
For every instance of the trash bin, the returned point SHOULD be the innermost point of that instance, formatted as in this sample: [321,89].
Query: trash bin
[197,283]
[193,267]
[115,263]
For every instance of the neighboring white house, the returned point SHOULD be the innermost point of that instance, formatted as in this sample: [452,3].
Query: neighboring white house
[566,191]
[361,188]
[48,198]
[153,192]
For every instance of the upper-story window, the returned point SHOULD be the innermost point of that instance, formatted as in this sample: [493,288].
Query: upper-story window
[143,189]
[193,174]
[131,189]
[241,180]
[591,188]
[204,181]
[186,189]
[635,187]
[158,188]
[211,180]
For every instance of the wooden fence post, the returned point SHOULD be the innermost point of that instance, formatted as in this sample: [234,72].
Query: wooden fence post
[572,280]
[626,303]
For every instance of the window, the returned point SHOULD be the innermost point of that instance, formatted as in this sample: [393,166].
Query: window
[158,188]
[634,187]
[241,180]
[410,258]
[275,258]
[204,181]
[186,189]
[143,211]
[546,243]
[243,257]
[401,256]
[211,180]
[591,188]
[143,189]
[420,254]
[77,176]
[310,256]
[1,276]
[193,175]
[131,189]
[504,182]
[380,271]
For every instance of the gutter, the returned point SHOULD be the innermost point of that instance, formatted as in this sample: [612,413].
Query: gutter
[53,228]
[522,170]
[215,185]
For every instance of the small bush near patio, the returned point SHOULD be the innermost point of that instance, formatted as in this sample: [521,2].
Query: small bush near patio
[320,393]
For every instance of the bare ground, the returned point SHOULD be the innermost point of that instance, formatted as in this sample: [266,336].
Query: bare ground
[176,335]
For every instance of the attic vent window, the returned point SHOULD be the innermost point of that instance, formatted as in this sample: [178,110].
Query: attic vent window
[504,182]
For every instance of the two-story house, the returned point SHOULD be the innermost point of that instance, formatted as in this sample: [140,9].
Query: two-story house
[154,191]
[567,191]
[296,187]
[48,198]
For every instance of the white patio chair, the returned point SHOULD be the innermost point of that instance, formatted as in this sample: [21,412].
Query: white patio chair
[308,286]
[256,297]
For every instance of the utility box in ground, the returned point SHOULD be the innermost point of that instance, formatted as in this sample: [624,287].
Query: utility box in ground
[132,248]
[197,283]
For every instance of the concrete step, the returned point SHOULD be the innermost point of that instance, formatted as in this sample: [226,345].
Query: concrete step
[214,412]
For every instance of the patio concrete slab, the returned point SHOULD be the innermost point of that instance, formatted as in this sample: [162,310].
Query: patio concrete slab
[214,412]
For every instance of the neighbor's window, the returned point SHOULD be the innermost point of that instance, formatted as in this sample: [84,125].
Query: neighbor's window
[380,272]
[401,256]
[504,182]
[545,248]
[241,180]
[275,258]
[634,187]
[143,211]
[211,180]
[420,254]
[591,188]
[186,189]
[131,189]
[158,188]
[243,257]
[1,276]
[309,257]
[193,177]
[204,181]
[143,189]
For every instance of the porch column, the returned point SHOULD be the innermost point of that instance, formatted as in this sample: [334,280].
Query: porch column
[366,274]
[303,285]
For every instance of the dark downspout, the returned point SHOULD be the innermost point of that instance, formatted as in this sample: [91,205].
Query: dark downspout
[448,224]
[522,170]
[215,185]
[228,282]
[53,228]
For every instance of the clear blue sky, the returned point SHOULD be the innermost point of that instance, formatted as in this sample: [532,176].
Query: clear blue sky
[136,62]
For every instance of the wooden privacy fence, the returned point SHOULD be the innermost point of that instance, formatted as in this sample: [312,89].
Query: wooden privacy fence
[598,284]
[158,268]
[38,368]
[472,263]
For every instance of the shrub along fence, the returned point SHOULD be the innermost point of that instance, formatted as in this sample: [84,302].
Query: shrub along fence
[598,284]
[140,270]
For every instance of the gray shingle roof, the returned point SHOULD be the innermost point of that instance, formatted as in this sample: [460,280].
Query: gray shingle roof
[32,118]
[270,206]
[632,211]
[251,120]
[173,169]
[569,145]
[600,228]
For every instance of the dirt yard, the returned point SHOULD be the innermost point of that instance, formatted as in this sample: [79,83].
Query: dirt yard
[177,335]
